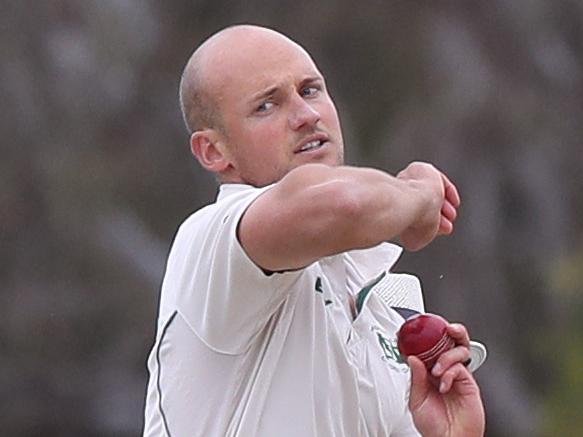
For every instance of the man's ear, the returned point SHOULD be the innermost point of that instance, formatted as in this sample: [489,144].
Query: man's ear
[205,145]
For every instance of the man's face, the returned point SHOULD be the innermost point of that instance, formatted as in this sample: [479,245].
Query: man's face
[275,109]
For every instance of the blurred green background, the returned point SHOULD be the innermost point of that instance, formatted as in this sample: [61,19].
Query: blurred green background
[95,177]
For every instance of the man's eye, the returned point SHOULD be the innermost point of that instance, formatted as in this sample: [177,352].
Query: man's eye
[309,91]
[265,106]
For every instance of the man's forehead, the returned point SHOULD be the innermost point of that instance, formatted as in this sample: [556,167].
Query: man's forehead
[255,59]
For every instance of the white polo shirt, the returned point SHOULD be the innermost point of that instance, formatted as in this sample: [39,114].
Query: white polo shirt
[242,353]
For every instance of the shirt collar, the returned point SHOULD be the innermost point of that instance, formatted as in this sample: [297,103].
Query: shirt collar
[226,190]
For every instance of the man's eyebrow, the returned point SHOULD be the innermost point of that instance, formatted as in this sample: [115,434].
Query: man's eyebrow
[271,90]
[260,95]
[312,79]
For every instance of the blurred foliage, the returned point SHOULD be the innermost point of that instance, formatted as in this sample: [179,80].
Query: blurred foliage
[565,346]
[567,276]
[95,177]
[563,403]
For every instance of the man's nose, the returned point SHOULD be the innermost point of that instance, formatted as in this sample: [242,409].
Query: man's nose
[302,114]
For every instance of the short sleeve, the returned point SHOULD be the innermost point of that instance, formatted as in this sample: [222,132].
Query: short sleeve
[221,293]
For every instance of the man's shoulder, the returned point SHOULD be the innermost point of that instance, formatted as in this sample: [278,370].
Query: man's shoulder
[230,199]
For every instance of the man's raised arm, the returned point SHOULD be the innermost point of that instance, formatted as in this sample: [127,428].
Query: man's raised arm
[317,211]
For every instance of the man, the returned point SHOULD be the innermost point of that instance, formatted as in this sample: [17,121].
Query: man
[271,319]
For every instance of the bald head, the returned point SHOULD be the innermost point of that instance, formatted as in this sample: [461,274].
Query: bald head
[208,68]
[257,107]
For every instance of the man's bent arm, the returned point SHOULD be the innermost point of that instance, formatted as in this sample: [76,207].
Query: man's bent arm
[317,211]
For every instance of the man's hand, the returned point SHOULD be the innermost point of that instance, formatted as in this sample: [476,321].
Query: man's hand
[447,403]
[443,201]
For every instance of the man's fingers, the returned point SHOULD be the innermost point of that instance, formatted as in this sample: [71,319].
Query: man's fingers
[459,333]
[445,226]
[455,372]
[460,379]
[451,192]
[457,355]
[448,211]
[448,216]
[446,360]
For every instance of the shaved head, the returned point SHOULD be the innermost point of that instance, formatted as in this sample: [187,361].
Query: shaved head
[198,100]
[257,106]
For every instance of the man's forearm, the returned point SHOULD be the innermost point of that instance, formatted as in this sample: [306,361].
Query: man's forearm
[317,211]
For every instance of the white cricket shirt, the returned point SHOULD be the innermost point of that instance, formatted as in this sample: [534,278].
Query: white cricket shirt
[242,353]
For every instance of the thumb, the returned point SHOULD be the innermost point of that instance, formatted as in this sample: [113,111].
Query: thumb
[419,382]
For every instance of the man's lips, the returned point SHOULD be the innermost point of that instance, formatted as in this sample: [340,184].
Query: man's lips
[310,143]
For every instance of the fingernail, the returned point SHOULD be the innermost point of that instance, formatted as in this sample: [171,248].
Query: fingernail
[442,387]
[436,369]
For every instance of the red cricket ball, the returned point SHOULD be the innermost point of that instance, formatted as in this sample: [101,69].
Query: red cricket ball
[425,336]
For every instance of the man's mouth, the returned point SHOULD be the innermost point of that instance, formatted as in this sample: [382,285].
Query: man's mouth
[312,145]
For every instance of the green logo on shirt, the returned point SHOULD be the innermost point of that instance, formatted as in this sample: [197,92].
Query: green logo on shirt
[390,349]
[319,289]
